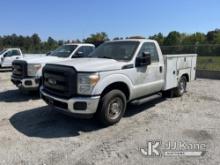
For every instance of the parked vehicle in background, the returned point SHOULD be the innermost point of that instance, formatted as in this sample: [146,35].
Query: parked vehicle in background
[117,72]
[27,72]
[7,56]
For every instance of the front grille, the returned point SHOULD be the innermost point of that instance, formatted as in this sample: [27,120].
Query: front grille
[19,69]
[59,81]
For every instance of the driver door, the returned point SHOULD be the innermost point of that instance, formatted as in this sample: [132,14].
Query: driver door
[149,79]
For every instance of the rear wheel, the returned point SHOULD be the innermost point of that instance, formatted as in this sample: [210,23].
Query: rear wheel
[181,88]
[112,107]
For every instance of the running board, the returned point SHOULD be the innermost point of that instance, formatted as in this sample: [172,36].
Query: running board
[146,99]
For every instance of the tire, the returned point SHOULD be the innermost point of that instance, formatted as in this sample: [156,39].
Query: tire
[181,88]
[111,107]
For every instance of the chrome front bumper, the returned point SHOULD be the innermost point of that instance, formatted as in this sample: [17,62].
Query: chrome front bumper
[77,105]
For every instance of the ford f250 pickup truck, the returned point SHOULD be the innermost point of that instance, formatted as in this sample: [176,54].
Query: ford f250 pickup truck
[116,73]
[7,56]
[27,72]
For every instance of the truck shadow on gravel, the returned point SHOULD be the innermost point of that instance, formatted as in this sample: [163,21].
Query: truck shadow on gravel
[46,123]
[16,96]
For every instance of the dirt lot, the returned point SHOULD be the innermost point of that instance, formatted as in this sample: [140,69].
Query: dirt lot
[31,133]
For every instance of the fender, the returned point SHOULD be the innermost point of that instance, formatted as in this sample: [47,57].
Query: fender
[110,79]
[186,72]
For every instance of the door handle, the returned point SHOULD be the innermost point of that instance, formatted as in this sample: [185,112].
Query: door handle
[161,69]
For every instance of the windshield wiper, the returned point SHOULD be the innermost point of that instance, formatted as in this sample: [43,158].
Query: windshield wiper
[106,57]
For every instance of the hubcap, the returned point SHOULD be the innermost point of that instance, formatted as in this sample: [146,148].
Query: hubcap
[115,108]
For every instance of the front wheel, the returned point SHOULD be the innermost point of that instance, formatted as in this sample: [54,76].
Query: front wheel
[181,88]
[112,107]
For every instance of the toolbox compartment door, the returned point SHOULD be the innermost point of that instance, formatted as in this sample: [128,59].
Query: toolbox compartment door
[171,73]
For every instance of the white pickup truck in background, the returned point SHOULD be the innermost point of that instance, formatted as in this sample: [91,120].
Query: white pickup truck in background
[7,56]
[27,72]
[117,72]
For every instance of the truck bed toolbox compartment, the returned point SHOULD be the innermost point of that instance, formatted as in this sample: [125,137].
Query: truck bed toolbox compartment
[176,65]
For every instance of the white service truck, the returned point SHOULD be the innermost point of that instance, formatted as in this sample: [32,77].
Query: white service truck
[7,56]
[27,72]
[117,72]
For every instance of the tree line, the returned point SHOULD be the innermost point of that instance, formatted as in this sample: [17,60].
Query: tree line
[203,44]
[174,42]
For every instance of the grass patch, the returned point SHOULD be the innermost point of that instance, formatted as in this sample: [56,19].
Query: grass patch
[209,63]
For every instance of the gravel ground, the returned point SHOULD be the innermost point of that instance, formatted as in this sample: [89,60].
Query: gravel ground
[31,133]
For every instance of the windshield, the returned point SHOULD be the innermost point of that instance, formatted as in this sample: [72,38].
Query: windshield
[63,51]
[116,50]
[2,51]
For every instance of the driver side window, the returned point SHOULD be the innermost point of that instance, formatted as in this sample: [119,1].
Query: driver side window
[11,53]
[15,53]
[85,50]
[8,54]
[151,48]
[81,49]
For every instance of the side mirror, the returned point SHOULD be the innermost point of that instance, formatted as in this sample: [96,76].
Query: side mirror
[79,53]
[5,55]
[143,60]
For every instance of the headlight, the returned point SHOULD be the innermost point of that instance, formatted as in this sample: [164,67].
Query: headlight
[33,69]
[86,82]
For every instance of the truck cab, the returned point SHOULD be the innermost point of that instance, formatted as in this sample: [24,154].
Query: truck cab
[116,73]
[26,73]
[7,56]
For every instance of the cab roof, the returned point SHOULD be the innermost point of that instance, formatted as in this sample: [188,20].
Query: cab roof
[137,40]
[80,44]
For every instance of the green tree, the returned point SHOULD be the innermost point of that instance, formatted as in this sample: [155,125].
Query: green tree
[217,38]
[98,37]
[193,39]
[35,39]
[60,42]
[158,37]
[36,43]
[173,38]
[51,43]
[210,36]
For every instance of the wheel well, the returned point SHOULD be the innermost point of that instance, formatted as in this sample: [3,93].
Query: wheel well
[187,77]
[118,85]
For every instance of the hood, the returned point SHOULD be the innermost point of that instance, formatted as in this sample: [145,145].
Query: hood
[43,60]
[93,64]
[29,56]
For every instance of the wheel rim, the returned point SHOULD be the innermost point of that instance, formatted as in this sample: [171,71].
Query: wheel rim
[115,108]
[182,86]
